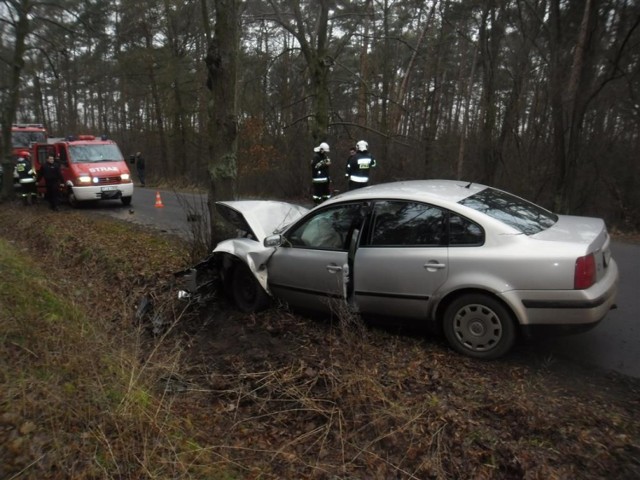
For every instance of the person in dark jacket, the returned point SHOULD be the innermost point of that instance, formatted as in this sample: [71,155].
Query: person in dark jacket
[352,153]
[359,165]
[52,175]
[320,173]
[140,167]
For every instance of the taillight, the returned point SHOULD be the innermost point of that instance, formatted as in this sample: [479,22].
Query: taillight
[585,274]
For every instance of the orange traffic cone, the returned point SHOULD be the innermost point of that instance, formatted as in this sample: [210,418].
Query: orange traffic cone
[158,201]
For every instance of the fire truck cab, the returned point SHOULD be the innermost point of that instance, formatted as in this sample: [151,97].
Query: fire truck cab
[24,135]
[92,168]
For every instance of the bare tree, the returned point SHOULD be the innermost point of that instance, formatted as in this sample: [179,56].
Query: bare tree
[222,68]
[18,17]
[568,97]
[314,44]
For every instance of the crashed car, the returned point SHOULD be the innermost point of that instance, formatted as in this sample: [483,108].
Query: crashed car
[479,264]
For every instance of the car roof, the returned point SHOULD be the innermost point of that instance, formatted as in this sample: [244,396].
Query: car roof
[443,190]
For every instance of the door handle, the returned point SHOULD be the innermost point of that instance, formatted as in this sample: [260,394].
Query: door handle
[435,266]
[334,268]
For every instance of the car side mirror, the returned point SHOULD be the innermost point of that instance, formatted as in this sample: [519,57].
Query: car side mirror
[273,241]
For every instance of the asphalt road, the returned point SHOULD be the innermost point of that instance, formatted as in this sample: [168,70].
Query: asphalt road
[613,345]
[176,215]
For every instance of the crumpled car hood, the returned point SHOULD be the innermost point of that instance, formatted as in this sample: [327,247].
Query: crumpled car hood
[260,218]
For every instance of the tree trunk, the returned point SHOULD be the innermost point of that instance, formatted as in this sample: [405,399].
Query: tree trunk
[10,105]
[319,65]
[179,148]
[512,118]
[363,84]
[158,116]
[465,119]
[576,101]
[314,47]
[570,106]
[399,105]
[222,65]
[490,38]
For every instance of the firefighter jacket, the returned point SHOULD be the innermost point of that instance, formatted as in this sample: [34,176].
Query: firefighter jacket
[320,168]
[359,165]
[23,170]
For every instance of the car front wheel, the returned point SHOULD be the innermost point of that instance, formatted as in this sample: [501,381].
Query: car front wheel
[248,294]
[479,326]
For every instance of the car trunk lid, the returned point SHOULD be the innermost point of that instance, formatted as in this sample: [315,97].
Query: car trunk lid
[587,231]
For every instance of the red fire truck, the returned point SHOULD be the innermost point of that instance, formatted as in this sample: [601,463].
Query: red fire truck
[24,135]
[93,168]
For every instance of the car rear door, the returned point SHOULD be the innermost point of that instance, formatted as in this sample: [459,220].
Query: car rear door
[401,260]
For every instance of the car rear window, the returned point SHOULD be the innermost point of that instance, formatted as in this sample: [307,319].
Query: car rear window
[516,212]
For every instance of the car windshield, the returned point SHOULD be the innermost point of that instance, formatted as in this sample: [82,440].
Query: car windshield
[516,212]
[95,153]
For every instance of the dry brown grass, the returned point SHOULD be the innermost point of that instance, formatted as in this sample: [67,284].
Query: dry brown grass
[88,393]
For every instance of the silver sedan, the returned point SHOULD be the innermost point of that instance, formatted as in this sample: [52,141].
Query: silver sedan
[477,263]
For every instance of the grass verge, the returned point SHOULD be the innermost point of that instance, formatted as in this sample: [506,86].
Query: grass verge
[79,387]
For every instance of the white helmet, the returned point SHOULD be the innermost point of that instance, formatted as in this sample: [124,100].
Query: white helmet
[362,146]
[323,147]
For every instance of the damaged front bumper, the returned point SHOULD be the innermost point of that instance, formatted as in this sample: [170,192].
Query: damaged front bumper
[197,286]
[202,282]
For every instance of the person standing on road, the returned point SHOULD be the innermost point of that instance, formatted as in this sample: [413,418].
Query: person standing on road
[140,167]
[359,165]
[52,175]
[320,173]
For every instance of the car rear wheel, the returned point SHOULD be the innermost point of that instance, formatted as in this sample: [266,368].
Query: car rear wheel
[479,326]
[248,294]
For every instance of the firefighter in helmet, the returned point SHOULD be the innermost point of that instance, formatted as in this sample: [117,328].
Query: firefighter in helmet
[320,173]
[359,166]
[25,178]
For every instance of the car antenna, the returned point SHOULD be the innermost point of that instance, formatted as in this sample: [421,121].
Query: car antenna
[468,185]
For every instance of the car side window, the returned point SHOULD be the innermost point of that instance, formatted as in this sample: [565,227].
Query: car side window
[463,232]
[403,223]
[327,229]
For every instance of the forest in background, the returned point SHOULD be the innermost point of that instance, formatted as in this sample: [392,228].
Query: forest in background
[539,97]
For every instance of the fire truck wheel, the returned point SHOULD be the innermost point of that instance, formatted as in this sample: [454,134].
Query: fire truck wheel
[126,201]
